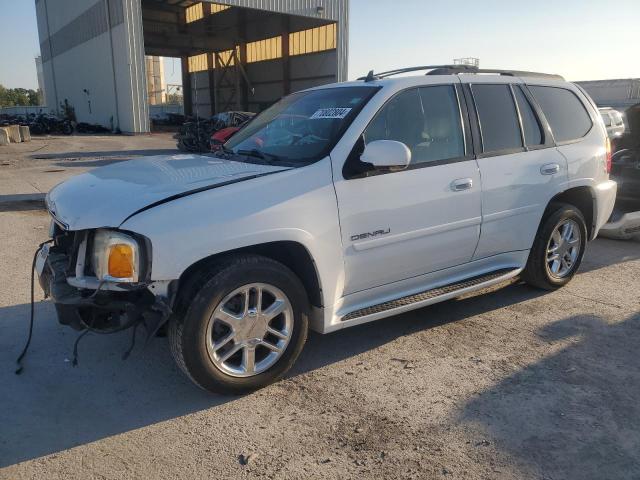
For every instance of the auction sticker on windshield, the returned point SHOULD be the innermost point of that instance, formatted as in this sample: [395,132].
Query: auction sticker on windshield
[338,113]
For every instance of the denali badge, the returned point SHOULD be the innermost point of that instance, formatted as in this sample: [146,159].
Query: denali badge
[364,236]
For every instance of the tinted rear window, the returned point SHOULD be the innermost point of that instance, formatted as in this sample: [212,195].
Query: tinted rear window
[565,113]
[498,117]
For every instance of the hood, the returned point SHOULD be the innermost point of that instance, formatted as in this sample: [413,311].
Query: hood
[106,196]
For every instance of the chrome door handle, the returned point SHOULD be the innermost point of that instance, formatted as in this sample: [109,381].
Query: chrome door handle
[550,169]
[461,184]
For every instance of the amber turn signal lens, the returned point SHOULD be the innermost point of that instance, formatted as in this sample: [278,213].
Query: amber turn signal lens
[121,261]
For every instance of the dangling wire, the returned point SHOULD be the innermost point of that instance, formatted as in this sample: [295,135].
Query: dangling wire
[133,342]
[26,346]
[74,362]
[89,328]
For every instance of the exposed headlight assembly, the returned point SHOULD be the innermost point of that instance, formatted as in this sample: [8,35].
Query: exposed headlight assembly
[115,257]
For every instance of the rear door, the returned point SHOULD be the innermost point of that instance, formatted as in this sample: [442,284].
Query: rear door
[520,168]
[573,130]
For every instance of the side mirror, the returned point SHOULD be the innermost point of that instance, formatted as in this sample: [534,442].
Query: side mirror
[387,154]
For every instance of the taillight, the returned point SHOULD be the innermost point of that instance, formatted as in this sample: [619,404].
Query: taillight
[609,156]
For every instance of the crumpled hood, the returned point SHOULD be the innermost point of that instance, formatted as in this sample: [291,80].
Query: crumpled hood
[106,196]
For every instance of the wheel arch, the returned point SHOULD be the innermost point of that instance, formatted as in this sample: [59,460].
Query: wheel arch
[292,254]
[581,197]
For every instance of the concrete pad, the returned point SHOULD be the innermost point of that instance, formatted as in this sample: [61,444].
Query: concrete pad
[44,179]
[11,184]
[4,137]
[25,133]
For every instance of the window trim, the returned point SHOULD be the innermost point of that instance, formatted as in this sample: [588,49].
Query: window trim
[472,115]
[504,151]
[523,137]
[546,127]
[582,103]
[353,159]
[464,121]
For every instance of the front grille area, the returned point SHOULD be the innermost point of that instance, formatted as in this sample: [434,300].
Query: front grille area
[426,295]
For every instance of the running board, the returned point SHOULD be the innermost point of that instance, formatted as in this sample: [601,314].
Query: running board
[429,297]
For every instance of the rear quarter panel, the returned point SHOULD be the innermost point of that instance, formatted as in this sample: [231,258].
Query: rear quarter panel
[586,159]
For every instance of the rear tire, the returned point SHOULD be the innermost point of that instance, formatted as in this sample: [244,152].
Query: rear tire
[200,338]
[558,248]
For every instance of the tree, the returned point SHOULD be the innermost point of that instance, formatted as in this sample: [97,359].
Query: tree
[11,97]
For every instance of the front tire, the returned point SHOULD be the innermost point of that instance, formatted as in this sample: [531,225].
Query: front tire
[244,325]
[558,249]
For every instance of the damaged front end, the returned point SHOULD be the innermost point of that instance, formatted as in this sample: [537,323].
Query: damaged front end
[99,281]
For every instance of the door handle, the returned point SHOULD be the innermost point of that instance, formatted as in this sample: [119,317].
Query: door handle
[461,184]
[550,169]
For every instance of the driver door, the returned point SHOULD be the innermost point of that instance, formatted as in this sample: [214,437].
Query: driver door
[398,225]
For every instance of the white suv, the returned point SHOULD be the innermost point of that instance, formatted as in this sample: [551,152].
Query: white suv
[337,206]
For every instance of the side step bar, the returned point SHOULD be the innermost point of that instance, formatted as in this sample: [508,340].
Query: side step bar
[428,297]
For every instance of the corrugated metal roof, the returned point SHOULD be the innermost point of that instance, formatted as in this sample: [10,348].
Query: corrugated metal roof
[331,9]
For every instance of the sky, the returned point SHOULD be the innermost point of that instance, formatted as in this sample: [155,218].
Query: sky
[579,39]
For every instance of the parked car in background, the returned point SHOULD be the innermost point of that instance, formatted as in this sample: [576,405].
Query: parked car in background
[195,134]
[613,120]
[625,219]
[220,137]
[337,206]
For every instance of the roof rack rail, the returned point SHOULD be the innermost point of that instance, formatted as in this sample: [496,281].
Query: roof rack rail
[457,69]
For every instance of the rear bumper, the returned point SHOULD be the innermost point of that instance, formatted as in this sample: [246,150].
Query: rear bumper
[605,199]
[99,310]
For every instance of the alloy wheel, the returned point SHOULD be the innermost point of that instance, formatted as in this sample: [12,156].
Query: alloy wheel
[563,249]
[249,330]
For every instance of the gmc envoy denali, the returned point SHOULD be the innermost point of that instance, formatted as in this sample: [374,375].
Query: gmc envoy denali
[337,206]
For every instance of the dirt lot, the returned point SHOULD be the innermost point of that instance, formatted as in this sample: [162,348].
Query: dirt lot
[514,384]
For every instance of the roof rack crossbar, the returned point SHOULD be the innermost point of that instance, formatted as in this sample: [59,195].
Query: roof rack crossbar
[457,69]
[376,76]
[509,73]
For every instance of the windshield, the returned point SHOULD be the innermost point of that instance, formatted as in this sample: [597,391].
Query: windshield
[302,127]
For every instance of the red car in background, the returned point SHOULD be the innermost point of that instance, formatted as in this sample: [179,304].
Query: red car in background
[220,137]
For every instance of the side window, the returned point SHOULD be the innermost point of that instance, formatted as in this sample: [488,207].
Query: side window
[401,119]
[427,120]
[442,135]
[565,113]
[530,123]
[499,123]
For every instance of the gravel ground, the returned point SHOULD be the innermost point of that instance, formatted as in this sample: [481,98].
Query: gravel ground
[512,384]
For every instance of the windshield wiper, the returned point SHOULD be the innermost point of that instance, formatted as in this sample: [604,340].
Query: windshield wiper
[270,158]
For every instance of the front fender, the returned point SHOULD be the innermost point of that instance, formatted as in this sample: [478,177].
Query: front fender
[297,205]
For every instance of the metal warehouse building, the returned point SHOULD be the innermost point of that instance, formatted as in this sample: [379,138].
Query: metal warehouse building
[236,54]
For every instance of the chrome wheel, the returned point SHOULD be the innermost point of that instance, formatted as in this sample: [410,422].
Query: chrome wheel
[249,330]
[563,249]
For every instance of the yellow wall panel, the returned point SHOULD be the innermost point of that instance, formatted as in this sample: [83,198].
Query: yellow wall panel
[313,40]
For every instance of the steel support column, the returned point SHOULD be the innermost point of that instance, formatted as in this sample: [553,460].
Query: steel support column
[186,87]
